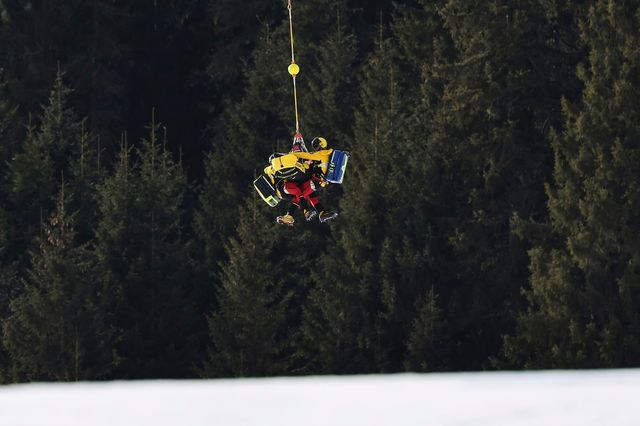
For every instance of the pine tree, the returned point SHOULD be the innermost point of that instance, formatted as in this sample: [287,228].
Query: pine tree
[488,139]
[582,310]
[141,243]
[344,327]
[58,147]
[58,326]
[30,172]
[415,256]
[248,331]
[426,349]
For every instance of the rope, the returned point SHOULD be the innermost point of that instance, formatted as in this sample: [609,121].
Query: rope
[293,69]
[293,57]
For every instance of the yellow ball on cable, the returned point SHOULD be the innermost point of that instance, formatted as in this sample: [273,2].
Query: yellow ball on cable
[293,69]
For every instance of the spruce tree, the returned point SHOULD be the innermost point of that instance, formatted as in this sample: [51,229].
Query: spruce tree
[344,327]
[56,147]
[426,348]
[249,333]
[58,327]
[416,255]
[141,244]
[488,139]
[388,252]
[582,310]
[31,172]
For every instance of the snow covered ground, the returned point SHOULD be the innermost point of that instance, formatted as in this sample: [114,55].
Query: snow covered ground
[564,398]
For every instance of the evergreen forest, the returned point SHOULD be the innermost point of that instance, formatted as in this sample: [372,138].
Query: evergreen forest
[489,215]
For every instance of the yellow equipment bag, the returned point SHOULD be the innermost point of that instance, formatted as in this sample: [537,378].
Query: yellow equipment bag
[267,191]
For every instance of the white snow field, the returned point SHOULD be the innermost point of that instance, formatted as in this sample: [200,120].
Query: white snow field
[563,398]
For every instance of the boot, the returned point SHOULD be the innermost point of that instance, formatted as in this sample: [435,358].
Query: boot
[324,216]
[309,214]
[287,219]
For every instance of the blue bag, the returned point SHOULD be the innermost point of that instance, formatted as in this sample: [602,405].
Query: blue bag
[337,166]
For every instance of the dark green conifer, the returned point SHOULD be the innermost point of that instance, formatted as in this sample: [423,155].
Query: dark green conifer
[56,147]
[248,330]
[344,328]
[426,350]
[141,244]
[415,256]
[583,309]
[58,326]
[489,140]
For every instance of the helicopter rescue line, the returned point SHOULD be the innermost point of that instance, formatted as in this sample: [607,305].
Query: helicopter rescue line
[298,175]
